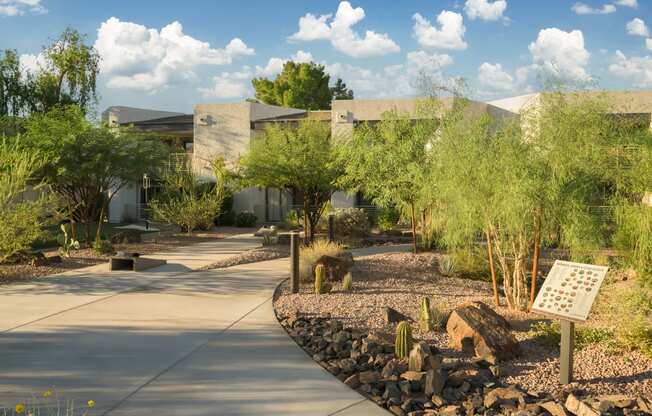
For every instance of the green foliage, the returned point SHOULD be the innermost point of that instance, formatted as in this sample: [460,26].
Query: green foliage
[102,247]
[292,220]
[321,286]
[245,219]
[22,217]
[471,262]
[188,204]
[340,92]
[347,282]
[548,333]
[633,237]
[348,222]
[67,243]
[300,158]
[447,265]
[388,218]
[636,334]
[49,403]
[299,85]
[404,341]
[309,255]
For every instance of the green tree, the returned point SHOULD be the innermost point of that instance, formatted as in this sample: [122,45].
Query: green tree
[22,219]
[302,159]
[88,165]
[340,92]
[300,85]
[387,162]
[188,203]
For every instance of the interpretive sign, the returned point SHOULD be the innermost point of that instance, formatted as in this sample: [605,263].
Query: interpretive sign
[568,294]
[569,290]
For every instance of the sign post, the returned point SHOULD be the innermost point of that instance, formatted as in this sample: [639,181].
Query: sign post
[568,294]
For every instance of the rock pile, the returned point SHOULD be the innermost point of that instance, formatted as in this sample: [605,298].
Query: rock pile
[428,383]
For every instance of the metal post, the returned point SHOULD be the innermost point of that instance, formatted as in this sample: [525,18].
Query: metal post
[566,353]
[294,261]
[331,228]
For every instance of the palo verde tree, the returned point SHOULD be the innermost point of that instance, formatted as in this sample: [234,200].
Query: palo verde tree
[87,165]
[387,162]
[301,159]
[301,85]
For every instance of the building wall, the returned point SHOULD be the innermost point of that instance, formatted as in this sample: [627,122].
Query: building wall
[124,205]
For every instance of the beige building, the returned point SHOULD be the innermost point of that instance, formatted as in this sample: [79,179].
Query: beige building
[228,129]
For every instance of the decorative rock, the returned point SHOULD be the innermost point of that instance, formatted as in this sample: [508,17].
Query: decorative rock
[413,376]
[391,315]
[434,383]
[618,400]
[452,410]
[418,356]
[397,410]
[391,390]
[502,394]
[644,405]
[405,386]
[458,377]
[554,409]
[369,377]
[336,267]
[437,400]
[389,369]
[353,381]
[579,408]
[475,328]
[126,237]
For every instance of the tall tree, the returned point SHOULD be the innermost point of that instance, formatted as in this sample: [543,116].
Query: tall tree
[88,165]
[300,85]
[300,159]
[340,92]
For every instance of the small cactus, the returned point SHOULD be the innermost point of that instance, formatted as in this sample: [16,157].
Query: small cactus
[404,341]
[425,319]
[347,283]
[321,286]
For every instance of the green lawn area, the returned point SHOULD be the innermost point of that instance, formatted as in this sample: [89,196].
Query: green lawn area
[51,235]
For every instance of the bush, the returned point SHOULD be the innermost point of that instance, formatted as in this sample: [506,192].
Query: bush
[471,263]
[309,255]
[549,334]
[348,222]
[388,218]
[245,219]
[102,247]
[447,266]
[292,220]
[227,216]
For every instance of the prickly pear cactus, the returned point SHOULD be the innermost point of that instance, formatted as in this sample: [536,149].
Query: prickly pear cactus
[320,276]
[347,283]
[425,319]
[404,340]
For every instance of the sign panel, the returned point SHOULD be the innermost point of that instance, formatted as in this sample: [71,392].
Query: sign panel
[569,290]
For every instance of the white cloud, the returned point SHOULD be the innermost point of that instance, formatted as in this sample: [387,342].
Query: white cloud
[648,44]
[20,7]
[140,58]
[229,85]
[627,3]
[560,54]
[449,35]
[637,27]
[32,63]
[338,31]
[637,69]
[494,78]
[485,9]
[275,65]
[581,8]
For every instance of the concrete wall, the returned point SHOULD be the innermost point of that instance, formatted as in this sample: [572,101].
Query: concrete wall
[121,114]
[124,205]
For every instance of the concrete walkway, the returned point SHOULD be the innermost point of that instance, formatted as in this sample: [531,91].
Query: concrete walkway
[165,342]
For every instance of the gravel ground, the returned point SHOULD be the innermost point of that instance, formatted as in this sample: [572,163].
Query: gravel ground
[400,280]
[251,256]
[152,243]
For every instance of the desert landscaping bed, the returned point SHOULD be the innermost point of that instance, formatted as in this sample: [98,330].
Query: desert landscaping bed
[251,256]
[401,280]
[151,243]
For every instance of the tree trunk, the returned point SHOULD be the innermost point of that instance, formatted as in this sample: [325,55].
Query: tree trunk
[306,221]
[98,232]
[492,267]
[535,257]
[414,229]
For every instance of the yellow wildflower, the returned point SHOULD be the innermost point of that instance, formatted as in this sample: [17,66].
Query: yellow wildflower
[91,403]
[20,408]
[47,393]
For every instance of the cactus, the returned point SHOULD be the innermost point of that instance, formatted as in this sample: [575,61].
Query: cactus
[347,283]
[321,286]
[404,340]
[425,318]
[447,266]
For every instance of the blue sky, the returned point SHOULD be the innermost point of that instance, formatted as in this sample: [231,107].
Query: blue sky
[172,55]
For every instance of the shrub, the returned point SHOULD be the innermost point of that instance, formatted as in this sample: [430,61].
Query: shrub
[309,256]
[292,220]
[388,218]
[102,247]
[471,263]
[66,242]
[49,404]
[447,266]
[348,222]
[227,216]
[245,219]
[549,334]
[347,282]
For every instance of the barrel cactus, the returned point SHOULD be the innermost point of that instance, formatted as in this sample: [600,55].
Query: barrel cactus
[321,286]
[404,340]
[347,283]
[425,319]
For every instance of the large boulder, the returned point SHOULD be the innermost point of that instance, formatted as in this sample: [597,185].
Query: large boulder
[477,329]
[336,267]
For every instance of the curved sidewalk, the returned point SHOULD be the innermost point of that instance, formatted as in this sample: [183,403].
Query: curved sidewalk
[176,343]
